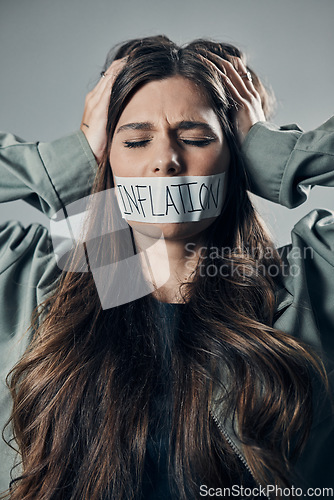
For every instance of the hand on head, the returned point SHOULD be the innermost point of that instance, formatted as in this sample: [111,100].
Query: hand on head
[238,80]
[94,119]
[235,76]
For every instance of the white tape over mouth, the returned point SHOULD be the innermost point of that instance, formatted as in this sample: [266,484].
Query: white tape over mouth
[170,199]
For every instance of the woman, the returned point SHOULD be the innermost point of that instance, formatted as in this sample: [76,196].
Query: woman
[194,384]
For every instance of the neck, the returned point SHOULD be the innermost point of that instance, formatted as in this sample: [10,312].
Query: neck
[179,255]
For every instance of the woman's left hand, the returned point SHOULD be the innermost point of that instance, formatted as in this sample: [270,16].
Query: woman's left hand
[238,80]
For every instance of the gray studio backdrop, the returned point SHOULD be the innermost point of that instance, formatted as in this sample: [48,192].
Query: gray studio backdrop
[51,54]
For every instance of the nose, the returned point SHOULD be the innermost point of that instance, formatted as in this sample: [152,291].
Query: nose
[167,159]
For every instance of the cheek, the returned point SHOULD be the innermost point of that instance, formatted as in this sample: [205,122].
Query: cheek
[209,162]
[113,158]
[223,158]
[120,162]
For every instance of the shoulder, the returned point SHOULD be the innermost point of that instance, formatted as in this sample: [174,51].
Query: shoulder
[17,243]
[28,272]
[28,267]
[305,301]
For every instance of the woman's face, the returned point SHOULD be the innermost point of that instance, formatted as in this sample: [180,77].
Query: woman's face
[169,129]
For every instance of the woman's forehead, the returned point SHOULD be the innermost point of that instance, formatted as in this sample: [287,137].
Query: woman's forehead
[173,99]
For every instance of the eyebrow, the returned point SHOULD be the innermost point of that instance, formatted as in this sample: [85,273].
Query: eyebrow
[183,125]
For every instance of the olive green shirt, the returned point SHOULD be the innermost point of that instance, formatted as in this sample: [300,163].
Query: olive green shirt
[283,164]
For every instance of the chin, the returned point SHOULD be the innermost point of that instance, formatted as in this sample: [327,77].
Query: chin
[173,230]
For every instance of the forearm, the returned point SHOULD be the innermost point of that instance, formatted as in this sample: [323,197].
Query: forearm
[284,163]
[46,175]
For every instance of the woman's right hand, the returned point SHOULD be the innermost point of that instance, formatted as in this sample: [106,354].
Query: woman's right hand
[94,119]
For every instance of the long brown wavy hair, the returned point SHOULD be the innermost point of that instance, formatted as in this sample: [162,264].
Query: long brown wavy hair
[83,390]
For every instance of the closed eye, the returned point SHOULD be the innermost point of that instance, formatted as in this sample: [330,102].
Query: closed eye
[141,144]
[199,143]
[136,144]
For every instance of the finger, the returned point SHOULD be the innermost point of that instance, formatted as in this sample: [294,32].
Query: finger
[244,88]
[101,94]
[245,74]
[114,69]
[108,77]
[117,64]
[234,92]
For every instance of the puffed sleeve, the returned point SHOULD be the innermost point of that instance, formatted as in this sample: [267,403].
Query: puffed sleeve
[48,176]
[283,164]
